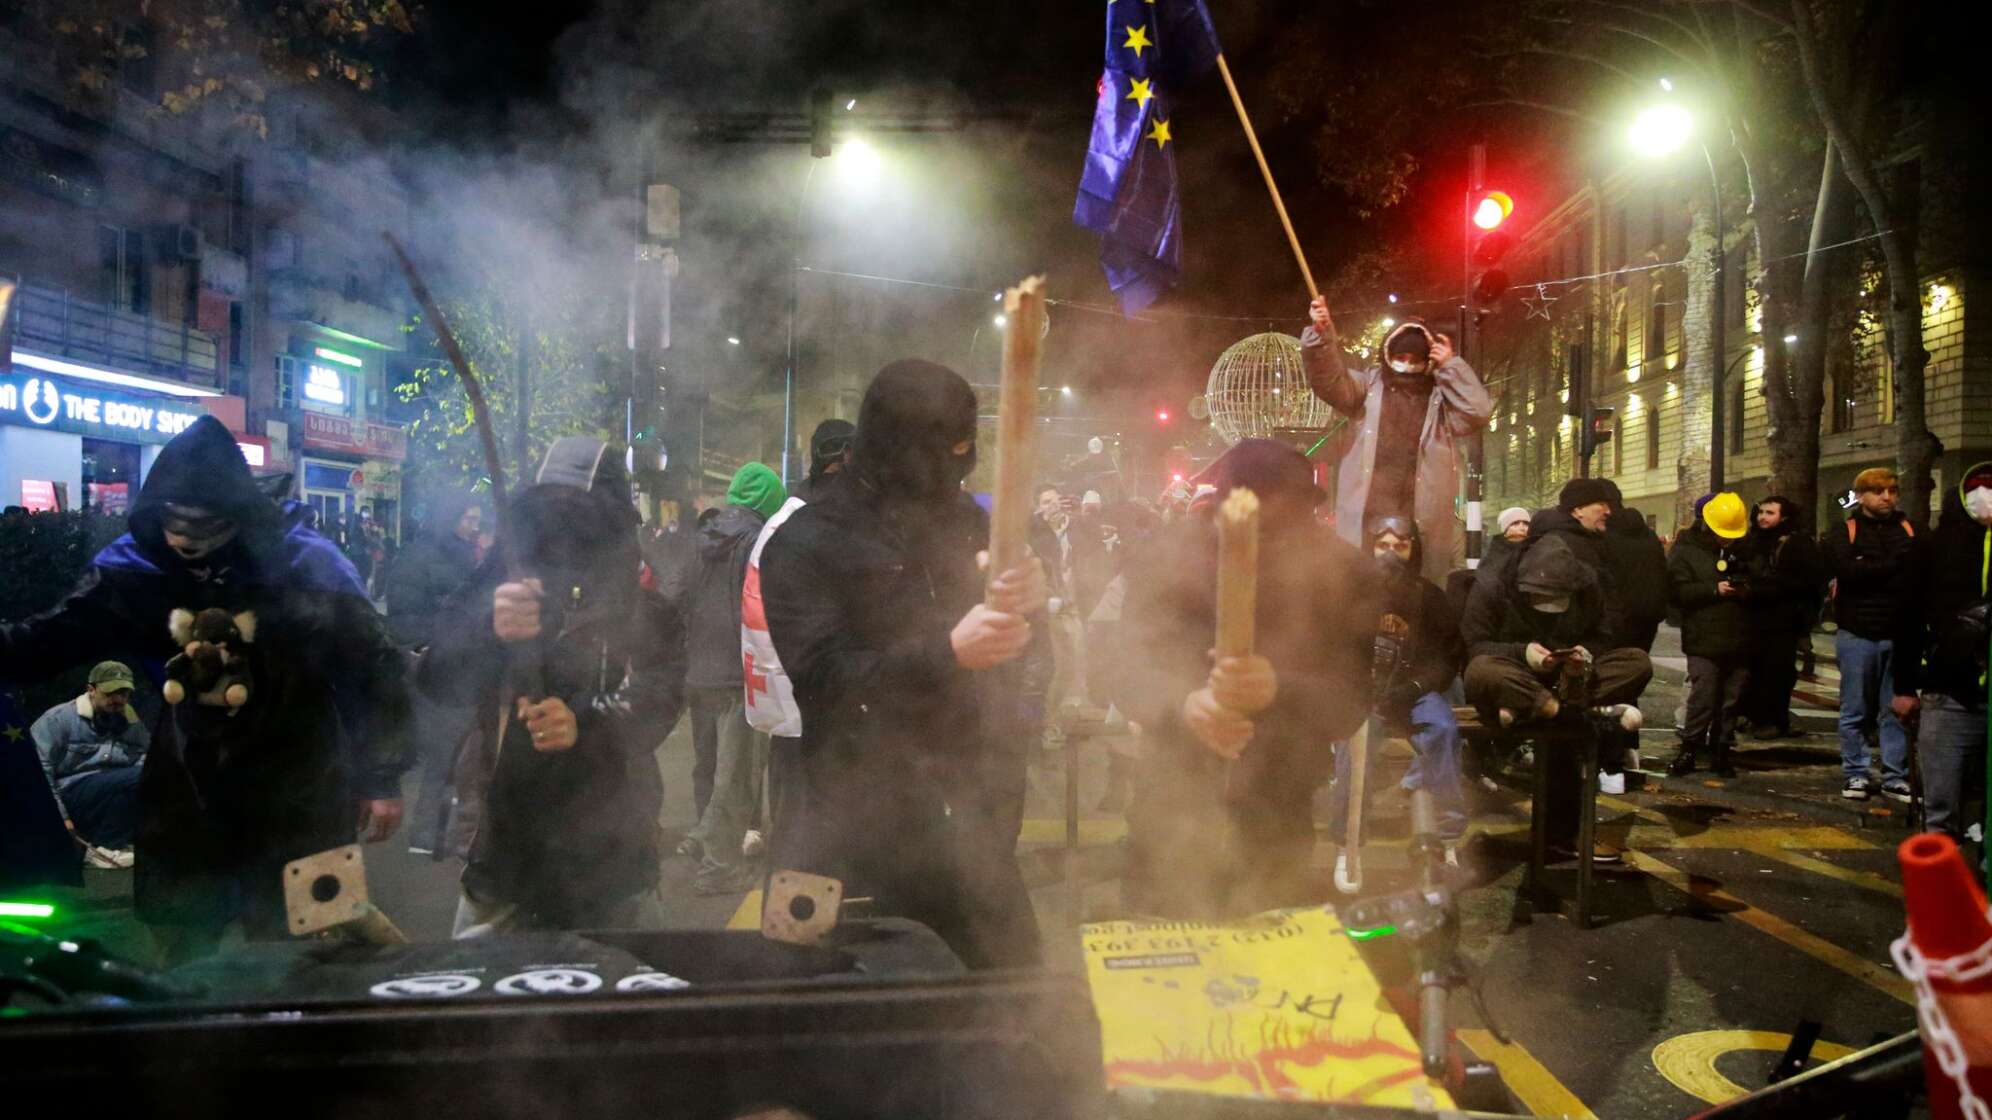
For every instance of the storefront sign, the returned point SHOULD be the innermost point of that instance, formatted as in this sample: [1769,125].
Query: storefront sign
[39,495]
[337,433]
[42,401]
[325,385]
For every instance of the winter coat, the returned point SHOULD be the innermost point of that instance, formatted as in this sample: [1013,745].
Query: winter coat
[1460,405]
[1871,561]
[862,593]
[712,600]
[1638,563]
[1941,639]
[74,743]
[1791,577]
[560,832]
[1713,626]
[422,579]
[225,800]
[1592,549]
[1433,655]
[1500,622]
[1318,605]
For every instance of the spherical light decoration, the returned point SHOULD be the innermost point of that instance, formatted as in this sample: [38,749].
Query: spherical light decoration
[1258,387]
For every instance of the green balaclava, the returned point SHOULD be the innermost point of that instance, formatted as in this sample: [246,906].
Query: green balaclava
[758,488]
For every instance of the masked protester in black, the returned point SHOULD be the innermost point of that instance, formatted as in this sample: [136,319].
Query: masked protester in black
[1222,820]
[228,796]
[558,795]
[912,766]
[1791,583]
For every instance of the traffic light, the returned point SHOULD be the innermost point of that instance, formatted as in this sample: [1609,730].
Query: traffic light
[1488,214]
[1161,416]
[819,123]
[1597,428]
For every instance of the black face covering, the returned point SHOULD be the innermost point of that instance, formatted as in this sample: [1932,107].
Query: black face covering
[913,416]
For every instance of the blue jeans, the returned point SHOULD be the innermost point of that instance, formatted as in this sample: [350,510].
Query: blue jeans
[1867,685]
[1434,735]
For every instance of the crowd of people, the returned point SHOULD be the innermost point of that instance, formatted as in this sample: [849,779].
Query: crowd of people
[866,697]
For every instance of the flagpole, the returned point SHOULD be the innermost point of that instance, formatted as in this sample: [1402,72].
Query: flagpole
[1252,138]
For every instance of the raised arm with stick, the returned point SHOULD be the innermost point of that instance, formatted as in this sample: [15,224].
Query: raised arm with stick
[1016,428]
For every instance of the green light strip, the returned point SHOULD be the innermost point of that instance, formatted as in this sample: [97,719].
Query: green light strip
[343,359]
[1369,934]
[26,910]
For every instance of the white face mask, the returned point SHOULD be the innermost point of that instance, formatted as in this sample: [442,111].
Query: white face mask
[1550,604]
[1406,365]
[1978,504]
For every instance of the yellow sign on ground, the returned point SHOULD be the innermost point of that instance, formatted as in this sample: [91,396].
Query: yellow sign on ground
[1279,1006]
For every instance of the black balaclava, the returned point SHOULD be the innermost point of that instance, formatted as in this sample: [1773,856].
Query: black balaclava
[913,416]
[829,443]
[1388,563]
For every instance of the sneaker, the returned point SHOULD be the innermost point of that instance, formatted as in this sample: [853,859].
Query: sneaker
[1684,764]
[1601,852]
[1765,732]
[1627,716]
[1856,789]
[109,859]
[1613,784]
[690,848]
[1896,789]
[419,850]
[753,843]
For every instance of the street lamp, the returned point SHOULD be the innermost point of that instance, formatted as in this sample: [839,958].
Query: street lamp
[1659,131]
[858,165]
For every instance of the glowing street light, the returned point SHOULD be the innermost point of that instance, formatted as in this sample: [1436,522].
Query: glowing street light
[732,340]
[858,162]
[1001,321]
[1661,130]
[1065,389]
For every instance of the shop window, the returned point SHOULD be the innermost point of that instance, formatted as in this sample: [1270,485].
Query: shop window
[1653,439]
[1736,418]
[110,475]
[238,336]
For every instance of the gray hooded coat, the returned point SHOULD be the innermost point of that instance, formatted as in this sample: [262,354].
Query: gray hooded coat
[1460,405]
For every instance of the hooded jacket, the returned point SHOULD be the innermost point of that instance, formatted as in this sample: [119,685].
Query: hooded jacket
[862,588]
[1790,575]
[562,832]
[1941,638]
[1501,622]
[1872,561]
[1713,626]
[1460,405]
[757,487]
[226,800]
[1638,563]
[426,574]
[712,601]
[1591,549]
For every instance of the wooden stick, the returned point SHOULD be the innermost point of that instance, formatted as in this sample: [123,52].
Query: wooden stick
[479,411]
[1237,572]
[1016,426]
[1252,138]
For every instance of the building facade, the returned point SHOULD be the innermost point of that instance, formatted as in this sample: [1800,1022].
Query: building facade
[1649,308]
[169,266]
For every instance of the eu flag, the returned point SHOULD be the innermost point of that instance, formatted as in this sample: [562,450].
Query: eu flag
[1128,192]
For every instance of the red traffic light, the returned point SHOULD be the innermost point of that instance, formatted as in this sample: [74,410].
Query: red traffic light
[1492,209]
[1162,416]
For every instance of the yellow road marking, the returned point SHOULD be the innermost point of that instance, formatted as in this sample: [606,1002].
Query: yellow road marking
[1810,944]
[1688,1060]
[1532,1083]
[748,916]
[1867,879]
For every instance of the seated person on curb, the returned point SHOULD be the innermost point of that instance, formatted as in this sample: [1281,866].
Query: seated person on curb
[1522,631]
[1710,575]
[91,749]
[1222,823]
[1413,702]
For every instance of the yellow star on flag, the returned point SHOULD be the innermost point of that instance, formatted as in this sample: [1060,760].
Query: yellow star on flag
[1159,132]
[1138,90]
[1137,38]
[14,734]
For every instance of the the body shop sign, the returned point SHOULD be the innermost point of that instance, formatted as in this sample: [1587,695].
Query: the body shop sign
[42,401]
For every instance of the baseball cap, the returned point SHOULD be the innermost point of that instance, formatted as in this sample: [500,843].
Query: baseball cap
[111,676]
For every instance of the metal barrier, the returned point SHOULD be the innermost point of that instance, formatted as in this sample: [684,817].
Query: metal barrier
[52,320]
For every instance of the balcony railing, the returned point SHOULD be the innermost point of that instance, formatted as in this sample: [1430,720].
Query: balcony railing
[54,321]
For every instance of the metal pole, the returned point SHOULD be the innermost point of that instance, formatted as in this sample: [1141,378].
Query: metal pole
[1476,444]
[1717,329]
[795,275]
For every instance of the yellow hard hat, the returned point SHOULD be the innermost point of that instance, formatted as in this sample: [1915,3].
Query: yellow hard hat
[1726,515]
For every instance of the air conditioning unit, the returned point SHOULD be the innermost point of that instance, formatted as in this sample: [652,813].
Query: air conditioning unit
[180,243]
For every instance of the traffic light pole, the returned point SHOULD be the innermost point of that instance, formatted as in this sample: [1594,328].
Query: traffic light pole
[1717,330]
[1476,444]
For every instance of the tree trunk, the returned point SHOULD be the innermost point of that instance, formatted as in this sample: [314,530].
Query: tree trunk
[1916,447]
[1795,377]
[1691,468]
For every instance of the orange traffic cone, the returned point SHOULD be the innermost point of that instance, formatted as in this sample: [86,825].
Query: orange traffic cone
[1947,955]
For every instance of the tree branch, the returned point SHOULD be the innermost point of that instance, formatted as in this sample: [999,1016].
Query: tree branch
[1632,33]
[1540,106]
[1575,56]
[1699,40]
